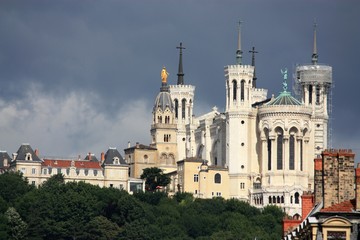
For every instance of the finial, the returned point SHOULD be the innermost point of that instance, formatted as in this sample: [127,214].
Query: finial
[314,57]
[239,52]
[253,64]
[180,74]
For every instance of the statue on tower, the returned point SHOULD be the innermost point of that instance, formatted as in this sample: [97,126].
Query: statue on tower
[284,73]
[164,74]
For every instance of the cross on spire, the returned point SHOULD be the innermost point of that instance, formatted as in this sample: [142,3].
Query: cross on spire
[180,74]
[253,64]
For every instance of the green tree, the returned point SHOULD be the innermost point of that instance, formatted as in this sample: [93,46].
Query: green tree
[13,186]
[17,226]
[154,178]
[101,228]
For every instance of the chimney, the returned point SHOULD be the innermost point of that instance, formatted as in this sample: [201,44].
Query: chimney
[129,144]
[307,200]
[37,152]
[89,156]
[137,144]
[357,181]
[102,158]
[318,180]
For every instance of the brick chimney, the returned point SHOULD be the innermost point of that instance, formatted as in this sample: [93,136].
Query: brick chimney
[318,180]
[357,181]
[89,156]
[37,152]
[307,200]
[102,157]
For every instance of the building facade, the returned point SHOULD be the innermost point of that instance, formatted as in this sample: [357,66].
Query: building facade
[110,171]
[332,211]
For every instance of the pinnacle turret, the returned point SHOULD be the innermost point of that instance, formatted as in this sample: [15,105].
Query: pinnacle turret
[314,57]
[239,52]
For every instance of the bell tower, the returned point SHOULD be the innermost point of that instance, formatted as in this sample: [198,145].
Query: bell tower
[163,128]
[315,82]
[240,121]
[183,100]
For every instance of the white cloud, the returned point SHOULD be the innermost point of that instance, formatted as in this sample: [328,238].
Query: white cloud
[71,125]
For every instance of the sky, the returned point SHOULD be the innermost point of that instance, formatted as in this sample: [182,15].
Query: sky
[82,76]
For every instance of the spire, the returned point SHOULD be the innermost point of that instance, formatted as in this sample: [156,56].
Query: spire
[239,52]
[180,74]
[253,64]
[314,57]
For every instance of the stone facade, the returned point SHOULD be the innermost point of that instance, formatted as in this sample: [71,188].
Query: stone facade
[110,171]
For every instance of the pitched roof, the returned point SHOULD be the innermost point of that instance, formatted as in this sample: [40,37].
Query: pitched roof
[25,149]
[92,157]
[110,155]
[4,156]
[346,206]
[67,163]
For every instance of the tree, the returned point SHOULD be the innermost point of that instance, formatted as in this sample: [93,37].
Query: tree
[13,186]
[17,226]
[154,178]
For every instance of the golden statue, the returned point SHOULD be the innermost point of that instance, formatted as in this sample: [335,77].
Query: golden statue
[164,74]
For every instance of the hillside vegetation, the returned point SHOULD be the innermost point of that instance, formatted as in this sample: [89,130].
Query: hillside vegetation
[76,210]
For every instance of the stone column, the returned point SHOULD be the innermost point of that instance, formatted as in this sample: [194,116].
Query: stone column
[264,155]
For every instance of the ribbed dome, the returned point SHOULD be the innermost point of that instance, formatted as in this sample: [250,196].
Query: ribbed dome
[163,100]
[284,98]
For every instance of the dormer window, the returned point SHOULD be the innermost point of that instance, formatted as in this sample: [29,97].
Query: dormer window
[28,157]
[116,161]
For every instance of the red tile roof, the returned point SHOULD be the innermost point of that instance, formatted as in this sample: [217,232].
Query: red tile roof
[55,163]
[347,206]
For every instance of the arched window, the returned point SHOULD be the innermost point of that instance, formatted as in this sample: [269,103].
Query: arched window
[296,195]
[291,199]
[28,157]
[242,90]
[278,199]
[189,108]
[282,199]
[317,94]
[270,199]
[217,178]
[234,83]
[183,108]
[176,108]
[269,153]
[310,94]
[291,152]
[274,199]
[280,150]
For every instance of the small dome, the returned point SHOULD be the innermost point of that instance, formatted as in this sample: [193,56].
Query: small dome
[163,100]
[284,98]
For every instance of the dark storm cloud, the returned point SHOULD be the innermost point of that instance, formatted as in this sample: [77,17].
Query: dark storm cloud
[107,55]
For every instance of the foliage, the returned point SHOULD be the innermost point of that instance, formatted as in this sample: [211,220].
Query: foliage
[76,210]
[152,198]
[13,185]
[154,178]
[17,227]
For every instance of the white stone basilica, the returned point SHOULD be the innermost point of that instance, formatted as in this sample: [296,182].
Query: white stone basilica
[267,144]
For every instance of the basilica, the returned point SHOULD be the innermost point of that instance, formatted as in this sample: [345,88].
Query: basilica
[260,150]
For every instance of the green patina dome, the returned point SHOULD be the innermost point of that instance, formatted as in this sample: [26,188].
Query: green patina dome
[284,98]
